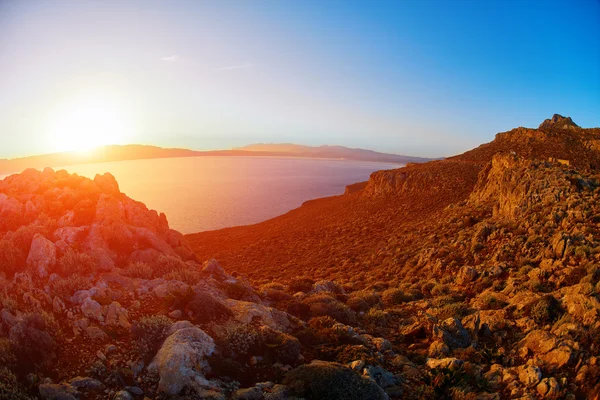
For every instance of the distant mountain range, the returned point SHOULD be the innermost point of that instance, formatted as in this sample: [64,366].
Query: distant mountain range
[331,152]
[140,152]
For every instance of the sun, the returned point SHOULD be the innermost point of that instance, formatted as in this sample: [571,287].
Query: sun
[89,123]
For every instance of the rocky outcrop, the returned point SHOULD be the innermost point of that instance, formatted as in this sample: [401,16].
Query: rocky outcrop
[558,122]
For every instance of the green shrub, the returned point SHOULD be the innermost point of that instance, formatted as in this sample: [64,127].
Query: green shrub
[34,339]
[363,300]
[332,381]
[7,355]
[276,295]
[377,317]
[9,387]
[166,264]
[73,262]
[325,329]
[301,285]
[239,340]
[188,275]
[546,310]
[66,287]
[298,309]
[446,311]
[10,258]
[149,333]
[139,270]
[323,322]
[394,296]
[280,347]
[238,290]
[440,289]
[491,302]
[206,308]
[322,304]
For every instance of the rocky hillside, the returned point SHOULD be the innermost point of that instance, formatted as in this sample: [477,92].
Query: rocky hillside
[481,270]
[101,300]
[466,278]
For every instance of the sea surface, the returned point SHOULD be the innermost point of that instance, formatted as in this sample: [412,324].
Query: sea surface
[207,193]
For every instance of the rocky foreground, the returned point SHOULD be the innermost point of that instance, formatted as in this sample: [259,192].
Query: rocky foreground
[475,277]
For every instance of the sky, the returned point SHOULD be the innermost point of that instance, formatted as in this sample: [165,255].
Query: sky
[424,78]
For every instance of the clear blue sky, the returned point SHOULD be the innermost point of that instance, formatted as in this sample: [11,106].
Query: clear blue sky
[430,78]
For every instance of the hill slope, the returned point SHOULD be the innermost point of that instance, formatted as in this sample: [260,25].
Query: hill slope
[500,243]
[355,225]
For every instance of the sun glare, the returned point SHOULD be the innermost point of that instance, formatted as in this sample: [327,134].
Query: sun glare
[88,124]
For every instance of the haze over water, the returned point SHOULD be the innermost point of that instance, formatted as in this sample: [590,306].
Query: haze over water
[206,193]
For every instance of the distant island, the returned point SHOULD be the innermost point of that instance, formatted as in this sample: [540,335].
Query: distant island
[141,152]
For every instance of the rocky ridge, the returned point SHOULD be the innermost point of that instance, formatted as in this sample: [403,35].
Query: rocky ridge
[490,257]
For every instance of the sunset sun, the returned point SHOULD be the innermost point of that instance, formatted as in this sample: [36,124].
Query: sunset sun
[87,124]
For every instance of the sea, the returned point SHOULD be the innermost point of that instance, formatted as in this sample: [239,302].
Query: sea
[207,193]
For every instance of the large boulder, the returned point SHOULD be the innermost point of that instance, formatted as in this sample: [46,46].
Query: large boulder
[181,361]
[42,255]
[452,332]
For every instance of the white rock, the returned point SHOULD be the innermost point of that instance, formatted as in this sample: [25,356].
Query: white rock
[181,360]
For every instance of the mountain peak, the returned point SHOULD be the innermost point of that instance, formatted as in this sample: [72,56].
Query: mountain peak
[558,121]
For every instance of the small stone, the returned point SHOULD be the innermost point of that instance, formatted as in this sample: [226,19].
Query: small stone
[134,390]
[530,375]
[85,383]
[110,348]
[253,393]
[100,355]
[449,363]
[123,395]
[438,349]
[357,365]
[548,388]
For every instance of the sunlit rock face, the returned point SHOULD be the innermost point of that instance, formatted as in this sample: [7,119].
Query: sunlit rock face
[57,212]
